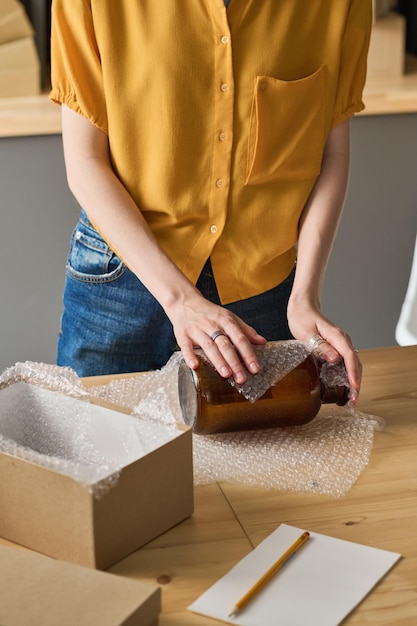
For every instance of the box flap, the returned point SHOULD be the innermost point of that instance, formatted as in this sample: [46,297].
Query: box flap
[37,590]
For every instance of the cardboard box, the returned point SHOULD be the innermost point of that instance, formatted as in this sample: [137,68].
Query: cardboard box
[46,507]
[36,590]
[19,82]
[19,69]
[14,22]
[21,52]
[386,55]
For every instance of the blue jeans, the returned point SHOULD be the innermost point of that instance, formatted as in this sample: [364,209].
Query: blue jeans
[112,324]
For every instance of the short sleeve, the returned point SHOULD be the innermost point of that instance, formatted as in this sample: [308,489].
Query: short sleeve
[353,62]
[76,72]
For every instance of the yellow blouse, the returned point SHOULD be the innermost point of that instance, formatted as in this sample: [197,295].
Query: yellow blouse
[216,120]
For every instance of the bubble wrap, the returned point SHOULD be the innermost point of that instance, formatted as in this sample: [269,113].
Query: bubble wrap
[62,379]
[42,420]
[276,360]
[325,456]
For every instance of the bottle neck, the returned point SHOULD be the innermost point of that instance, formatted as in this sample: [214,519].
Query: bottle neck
[334,385]
[338,394]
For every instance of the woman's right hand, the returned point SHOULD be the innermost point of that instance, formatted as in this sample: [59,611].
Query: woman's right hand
[225,339]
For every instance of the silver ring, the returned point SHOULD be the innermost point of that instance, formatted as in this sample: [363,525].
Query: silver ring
[315,341]
[216,334]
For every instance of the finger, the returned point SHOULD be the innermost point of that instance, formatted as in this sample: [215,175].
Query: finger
[354,370]
[224,357]
[340,346]
[323,348]
[189,356]
[231,351]
[207,344]
[243,337]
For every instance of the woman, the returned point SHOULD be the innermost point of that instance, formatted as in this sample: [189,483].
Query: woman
[209,149]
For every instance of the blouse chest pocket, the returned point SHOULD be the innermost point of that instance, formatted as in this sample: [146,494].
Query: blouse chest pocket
[287,129]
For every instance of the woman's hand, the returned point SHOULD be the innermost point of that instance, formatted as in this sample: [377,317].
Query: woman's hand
[305,322]
[225,338]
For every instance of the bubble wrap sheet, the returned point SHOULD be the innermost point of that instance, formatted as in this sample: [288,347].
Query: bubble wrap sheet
[325,456]
[276,360]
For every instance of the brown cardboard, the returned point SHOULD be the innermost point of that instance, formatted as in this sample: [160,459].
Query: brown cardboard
[36,590]
[55,514]
[19,69]
[14,23]
[18,53]
[386,57]
[19,82]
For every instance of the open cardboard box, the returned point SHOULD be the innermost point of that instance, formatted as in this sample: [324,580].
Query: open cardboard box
[112,482]
[37,590]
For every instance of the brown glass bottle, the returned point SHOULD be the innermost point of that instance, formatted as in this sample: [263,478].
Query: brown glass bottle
[211,405]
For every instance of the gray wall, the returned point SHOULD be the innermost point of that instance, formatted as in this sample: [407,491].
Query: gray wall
[37,217]
[366,279]
[371,261]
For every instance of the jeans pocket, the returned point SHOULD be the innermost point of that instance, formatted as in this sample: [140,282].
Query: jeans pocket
[287,130]
[90,258]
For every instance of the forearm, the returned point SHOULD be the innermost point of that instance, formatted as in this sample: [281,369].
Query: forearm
[320,219]
[114,213]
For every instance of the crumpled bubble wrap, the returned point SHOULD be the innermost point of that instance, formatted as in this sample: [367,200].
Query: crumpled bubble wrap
[44,375]
[276,360]
[325,456]
[46,418]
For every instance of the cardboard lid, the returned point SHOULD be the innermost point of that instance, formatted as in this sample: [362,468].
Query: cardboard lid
[36,590]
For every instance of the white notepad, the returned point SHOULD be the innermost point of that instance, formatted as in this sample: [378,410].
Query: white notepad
[319,586]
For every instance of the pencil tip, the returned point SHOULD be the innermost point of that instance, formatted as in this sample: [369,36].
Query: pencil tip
[233,613]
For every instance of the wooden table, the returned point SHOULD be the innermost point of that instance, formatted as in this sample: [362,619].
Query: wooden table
[380,510]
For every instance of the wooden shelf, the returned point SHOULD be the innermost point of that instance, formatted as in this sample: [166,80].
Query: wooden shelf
[393,95]
[35,115]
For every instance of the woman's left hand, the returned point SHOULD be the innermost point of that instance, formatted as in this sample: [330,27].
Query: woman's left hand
[307,322]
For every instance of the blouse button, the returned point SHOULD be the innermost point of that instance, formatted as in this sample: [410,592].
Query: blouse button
[213,229]
[225,39]
[224,87]
[219,182]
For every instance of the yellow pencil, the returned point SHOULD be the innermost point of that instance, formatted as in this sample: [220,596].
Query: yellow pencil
[244,600]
